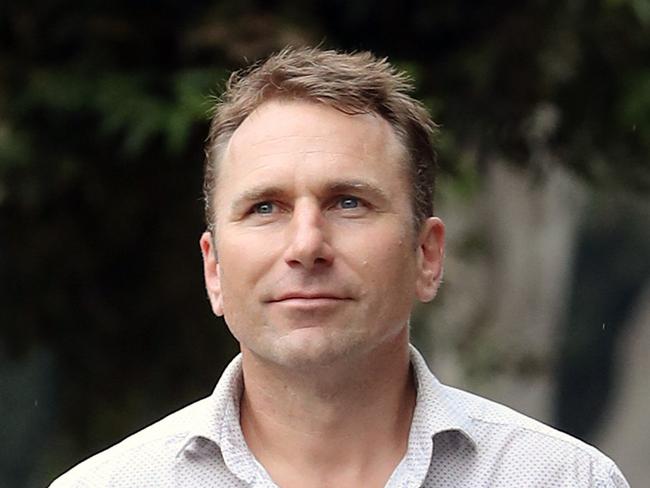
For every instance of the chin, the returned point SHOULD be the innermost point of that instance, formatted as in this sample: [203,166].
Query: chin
[311,348]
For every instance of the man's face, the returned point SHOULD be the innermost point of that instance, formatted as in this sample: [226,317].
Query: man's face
[316,256]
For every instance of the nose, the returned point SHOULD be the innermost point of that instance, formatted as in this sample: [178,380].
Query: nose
[307,240]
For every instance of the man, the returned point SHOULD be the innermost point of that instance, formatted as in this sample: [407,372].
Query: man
[321,235]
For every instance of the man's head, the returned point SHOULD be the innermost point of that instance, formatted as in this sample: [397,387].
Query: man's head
[314,257]
[351,83]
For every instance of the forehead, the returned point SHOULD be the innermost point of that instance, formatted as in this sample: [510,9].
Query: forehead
[297,142]
[276,122]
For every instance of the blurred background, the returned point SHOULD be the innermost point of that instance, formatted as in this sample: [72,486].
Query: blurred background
[544,186]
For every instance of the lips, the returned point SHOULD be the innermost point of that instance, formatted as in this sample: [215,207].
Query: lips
[308,302]
[307,297]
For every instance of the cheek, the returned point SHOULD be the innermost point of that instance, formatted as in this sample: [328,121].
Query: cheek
[388,263]
[243,263]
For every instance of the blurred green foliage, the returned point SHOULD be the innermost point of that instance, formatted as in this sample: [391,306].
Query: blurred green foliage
[103,112]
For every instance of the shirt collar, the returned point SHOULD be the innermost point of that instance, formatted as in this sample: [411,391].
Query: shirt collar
[213,420]
[217,422]
[435,411]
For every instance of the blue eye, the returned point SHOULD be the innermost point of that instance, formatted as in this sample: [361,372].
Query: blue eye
[263,208]
[349,202]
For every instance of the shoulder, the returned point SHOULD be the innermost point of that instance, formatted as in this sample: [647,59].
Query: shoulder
[146,455]
[181,446]
[507,448]
[520,444]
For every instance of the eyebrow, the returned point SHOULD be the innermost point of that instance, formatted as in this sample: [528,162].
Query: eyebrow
[336,187]
[356,186]
[256,194]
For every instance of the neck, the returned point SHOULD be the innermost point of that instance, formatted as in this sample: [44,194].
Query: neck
[350,420]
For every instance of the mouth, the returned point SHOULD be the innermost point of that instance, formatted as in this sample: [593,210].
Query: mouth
[308,299]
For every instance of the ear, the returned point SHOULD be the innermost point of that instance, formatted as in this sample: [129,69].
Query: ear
[211,273]
[430,254]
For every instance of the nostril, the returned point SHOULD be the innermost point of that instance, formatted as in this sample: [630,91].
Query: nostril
[309,252]
[307,241]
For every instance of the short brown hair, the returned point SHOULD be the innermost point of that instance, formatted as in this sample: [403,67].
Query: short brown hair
[353,83]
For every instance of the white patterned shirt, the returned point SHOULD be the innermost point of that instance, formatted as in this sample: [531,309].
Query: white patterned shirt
[456,440]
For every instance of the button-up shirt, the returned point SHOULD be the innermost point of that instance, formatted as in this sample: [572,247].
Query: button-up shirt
[456,439]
